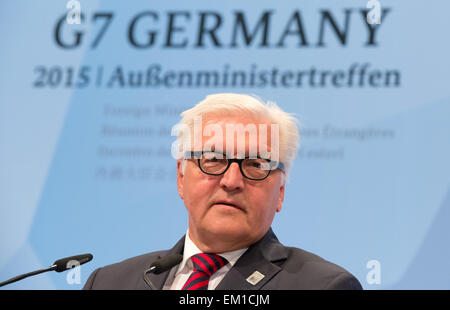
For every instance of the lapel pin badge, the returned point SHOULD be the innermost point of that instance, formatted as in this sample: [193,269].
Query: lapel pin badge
[255,278]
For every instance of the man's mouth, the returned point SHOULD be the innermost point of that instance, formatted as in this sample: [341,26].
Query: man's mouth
[229,204]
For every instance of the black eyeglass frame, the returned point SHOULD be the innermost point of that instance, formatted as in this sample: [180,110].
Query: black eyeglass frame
[198,154]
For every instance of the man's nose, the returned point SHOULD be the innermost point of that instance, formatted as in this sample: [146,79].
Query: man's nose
[232,179]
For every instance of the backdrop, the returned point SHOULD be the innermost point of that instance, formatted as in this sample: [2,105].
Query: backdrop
[87,104]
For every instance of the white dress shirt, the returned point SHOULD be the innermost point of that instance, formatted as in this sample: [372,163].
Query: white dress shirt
[178,276]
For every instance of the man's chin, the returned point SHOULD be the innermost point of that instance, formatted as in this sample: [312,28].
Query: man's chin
[228,228]
[226,238]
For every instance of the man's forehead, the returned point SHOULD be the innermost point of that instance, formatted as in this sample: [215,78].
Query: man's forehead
[236,131]
[238,153]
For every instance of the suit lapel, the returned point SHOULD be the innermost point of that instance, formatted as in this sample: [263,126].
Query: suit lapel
[158,280]
[257,260]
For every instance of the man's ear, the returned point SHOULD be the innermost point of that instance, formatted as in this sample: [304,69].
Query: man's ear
[180,177]
[281,197]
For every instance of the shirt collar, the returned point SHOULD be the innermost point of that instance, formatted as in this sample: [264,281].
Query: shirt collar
[191,249]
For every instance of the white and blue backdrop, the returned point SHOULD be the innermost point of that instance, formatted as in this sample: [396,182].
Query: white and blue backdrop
[86,111]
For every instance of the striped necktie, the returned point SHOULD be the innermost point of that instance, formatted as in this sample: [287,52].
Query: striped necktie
[205,265]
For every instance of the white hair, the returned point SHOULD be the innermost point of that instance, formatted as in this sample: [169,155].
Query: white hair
[229,104]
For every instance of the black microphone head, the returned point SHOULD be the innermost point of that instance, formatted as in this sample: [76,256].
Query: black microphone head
[166,263]
[62,264]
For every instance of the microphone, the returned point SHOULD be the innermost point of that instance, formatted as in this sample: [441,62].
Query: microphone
[59,266]
[62,264]
[162,265]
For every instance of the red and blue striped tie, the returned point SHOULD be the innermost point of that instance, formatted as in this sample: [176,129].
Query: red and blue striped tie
[205,265]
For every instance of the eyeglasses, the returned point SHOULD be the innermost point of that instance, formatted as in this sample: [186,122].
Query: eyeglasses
[214,163]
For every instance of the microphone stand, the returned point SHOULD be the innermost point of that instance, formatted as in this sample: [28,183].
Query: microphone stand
[59,266]
[147,280]
[26,275]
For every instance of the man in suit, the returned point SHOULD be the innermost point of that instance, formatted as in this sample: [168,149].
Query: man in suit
[233,156]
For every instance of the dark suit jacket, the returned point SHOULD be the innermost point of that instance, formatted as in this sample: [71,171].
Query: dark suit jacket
[283,268]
